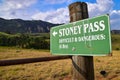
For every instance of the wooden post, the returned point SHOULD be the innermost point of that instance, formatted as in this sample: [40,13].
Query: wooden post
[83,67]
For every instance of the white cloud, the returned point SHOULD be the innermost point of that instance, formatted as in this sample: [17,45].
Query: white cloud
[100,7]
[115,19]
[57,2]
[105,7]
[14,8]
[62,15]
[57,16]
[15,4]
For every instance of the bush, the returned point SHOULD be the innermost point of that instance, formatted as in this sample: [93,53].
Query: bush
[24,41]
[117,49]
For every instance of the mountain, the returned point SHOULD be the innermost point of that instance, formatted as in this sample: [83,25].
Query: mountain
[25,26]
[115,31]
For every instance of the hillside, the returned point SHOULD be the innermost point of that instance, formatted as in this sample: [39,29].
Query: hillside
[25,26]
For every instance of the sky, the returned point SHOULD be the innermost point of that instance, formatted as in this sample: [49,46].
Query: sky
[56,11]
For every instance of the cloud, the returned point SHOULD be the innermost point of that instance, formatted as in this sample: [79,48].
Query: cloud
[15,4]
[60,15]
[105,7]
[57,2]
[115,19]
[100,7]
[14,8]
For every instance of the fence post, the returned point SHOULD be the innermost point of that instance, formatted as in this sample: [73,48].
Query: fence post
[83,67]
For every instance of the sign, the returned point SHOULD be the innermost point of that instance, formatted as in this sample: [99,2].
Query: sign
[88,37]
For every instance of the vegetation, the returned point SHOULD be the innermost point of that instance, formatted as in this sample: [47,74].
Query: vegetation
[25,40]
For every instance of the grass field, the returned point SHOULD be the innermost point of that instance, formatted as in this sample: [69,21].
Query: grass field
[110,64]
[116,42]
[53,70]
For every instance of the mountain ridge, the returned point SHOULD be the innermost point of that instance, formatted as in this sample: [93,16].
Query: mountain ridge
[25,26]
